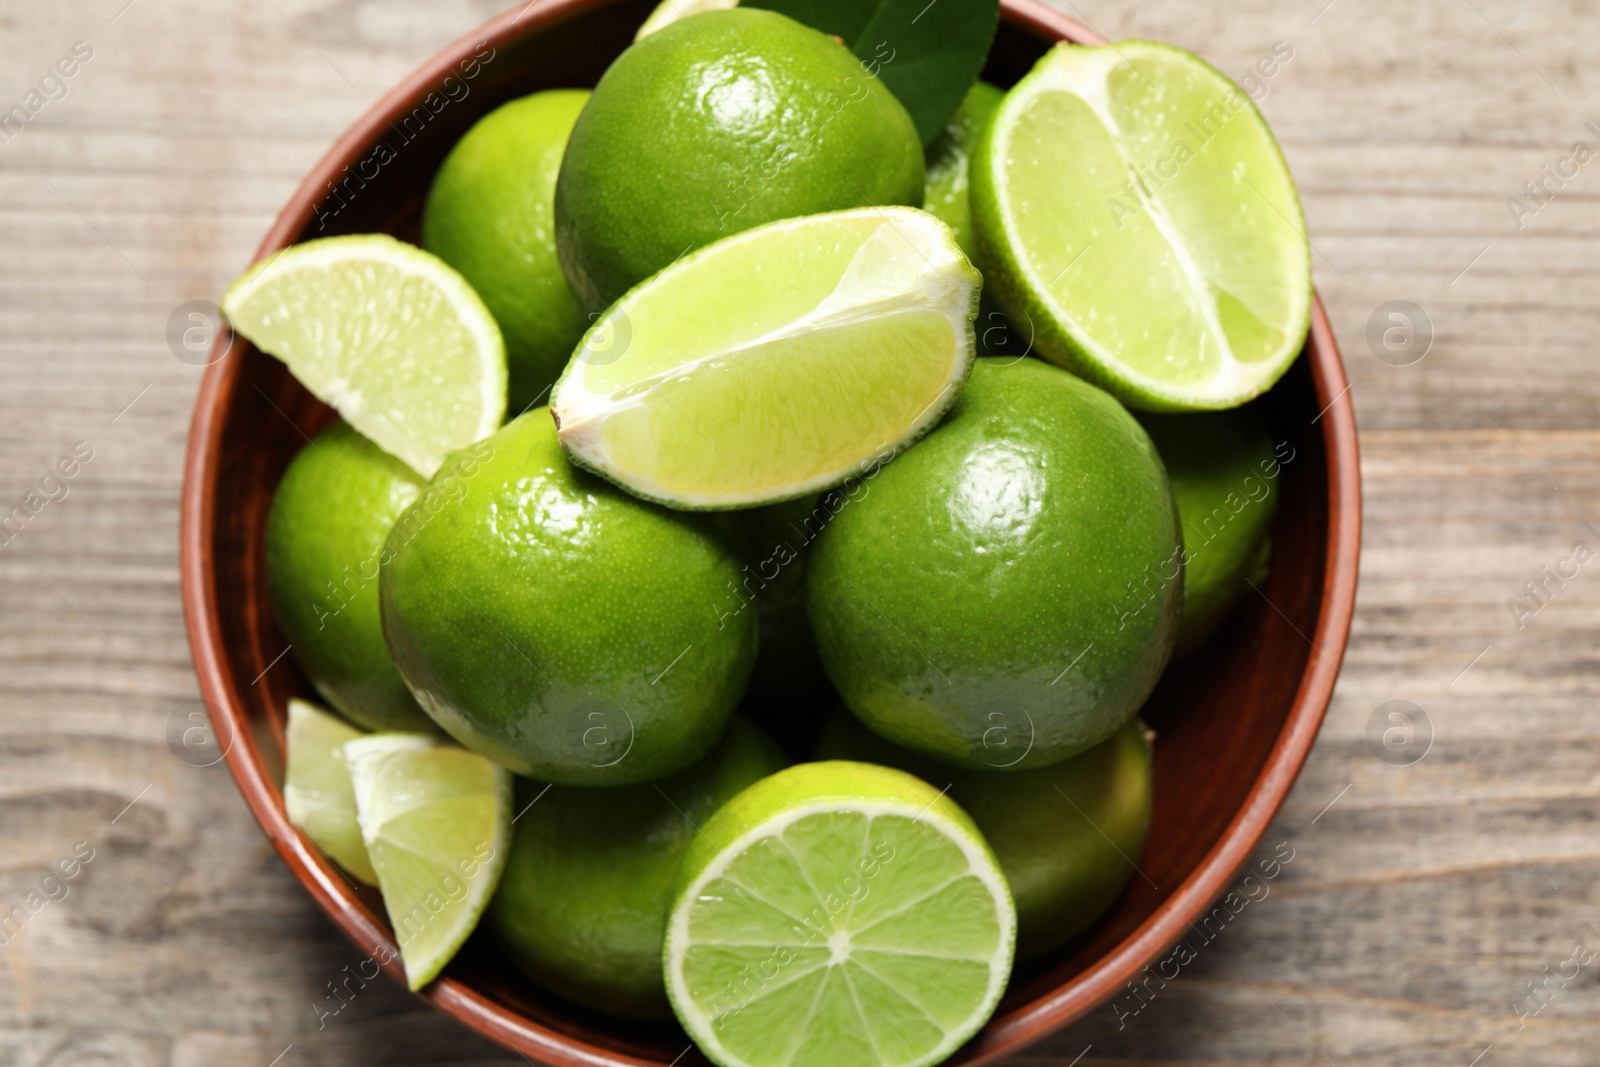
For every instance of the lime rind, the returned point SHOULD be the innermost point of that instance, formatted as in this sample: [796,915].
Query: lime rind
[318,796]
[670,11]
[387,334]
[1062,336]
[905,292]
[914,992]
[436,820]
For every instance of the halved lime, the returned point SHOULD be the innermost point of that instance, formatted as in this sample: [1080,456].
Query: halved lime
[1130,203]
[838,915]
[670,11]
[383,332]
[436,820]
[776,362]
[316,787]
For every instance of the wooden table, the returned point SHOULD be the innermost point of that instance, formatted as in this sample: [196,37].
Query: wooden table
[1423,898]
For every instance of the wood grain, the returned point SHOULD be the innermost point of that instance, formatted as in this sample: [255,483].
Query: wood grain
[1417,906]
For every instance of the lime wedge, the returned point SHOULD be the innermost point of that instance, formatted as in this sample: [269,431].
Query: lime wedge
[316,787]
[383,332]
[436,820]
[838,915]
[1130,203]
[776,362]
[670,11]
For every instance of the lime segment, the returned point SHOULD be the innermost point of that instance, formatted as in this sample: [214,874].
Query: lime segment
[1132,203]
[834,915]
[317,792]
[383,332]
[436,820]
[776,362]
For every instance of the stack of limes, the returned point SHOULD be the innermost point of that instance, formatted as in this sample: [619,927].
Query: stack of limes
[775,492]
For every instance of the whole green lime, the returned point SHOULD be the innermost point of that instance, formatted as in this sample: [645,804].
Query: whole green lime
[491,216]
[716,123]
[789,694]
[325,534]
[582,905]
[1067,836]
[949,164]
[949,158]
[559,626]
[1010,583]
[1224,473]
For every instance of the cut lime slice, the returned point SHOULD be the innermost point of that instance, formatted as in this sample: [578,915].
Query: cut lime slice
[383,332]
[776,362]
[1131,204]
[670,11]
[316,788]
[436,820]
[838,915]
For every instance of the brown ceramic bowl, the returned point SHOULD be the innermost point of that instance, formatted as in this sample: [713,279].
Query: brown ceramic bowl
[1234,721]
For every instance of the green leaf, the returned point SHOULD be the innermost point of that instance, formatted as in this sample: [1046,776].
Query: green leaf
[928,52]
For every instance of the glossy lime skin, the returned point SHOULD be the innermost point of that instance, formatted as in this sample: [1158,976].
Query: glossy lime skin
[1067,836]
[325,535]
[559,626]
[1224,474]
[716,123]
[491,216]
[948,163]
[582,905]
[1012,580]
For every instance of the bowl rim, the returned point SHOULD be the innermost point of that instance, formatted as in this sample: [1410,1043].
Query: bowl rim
[334,894]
